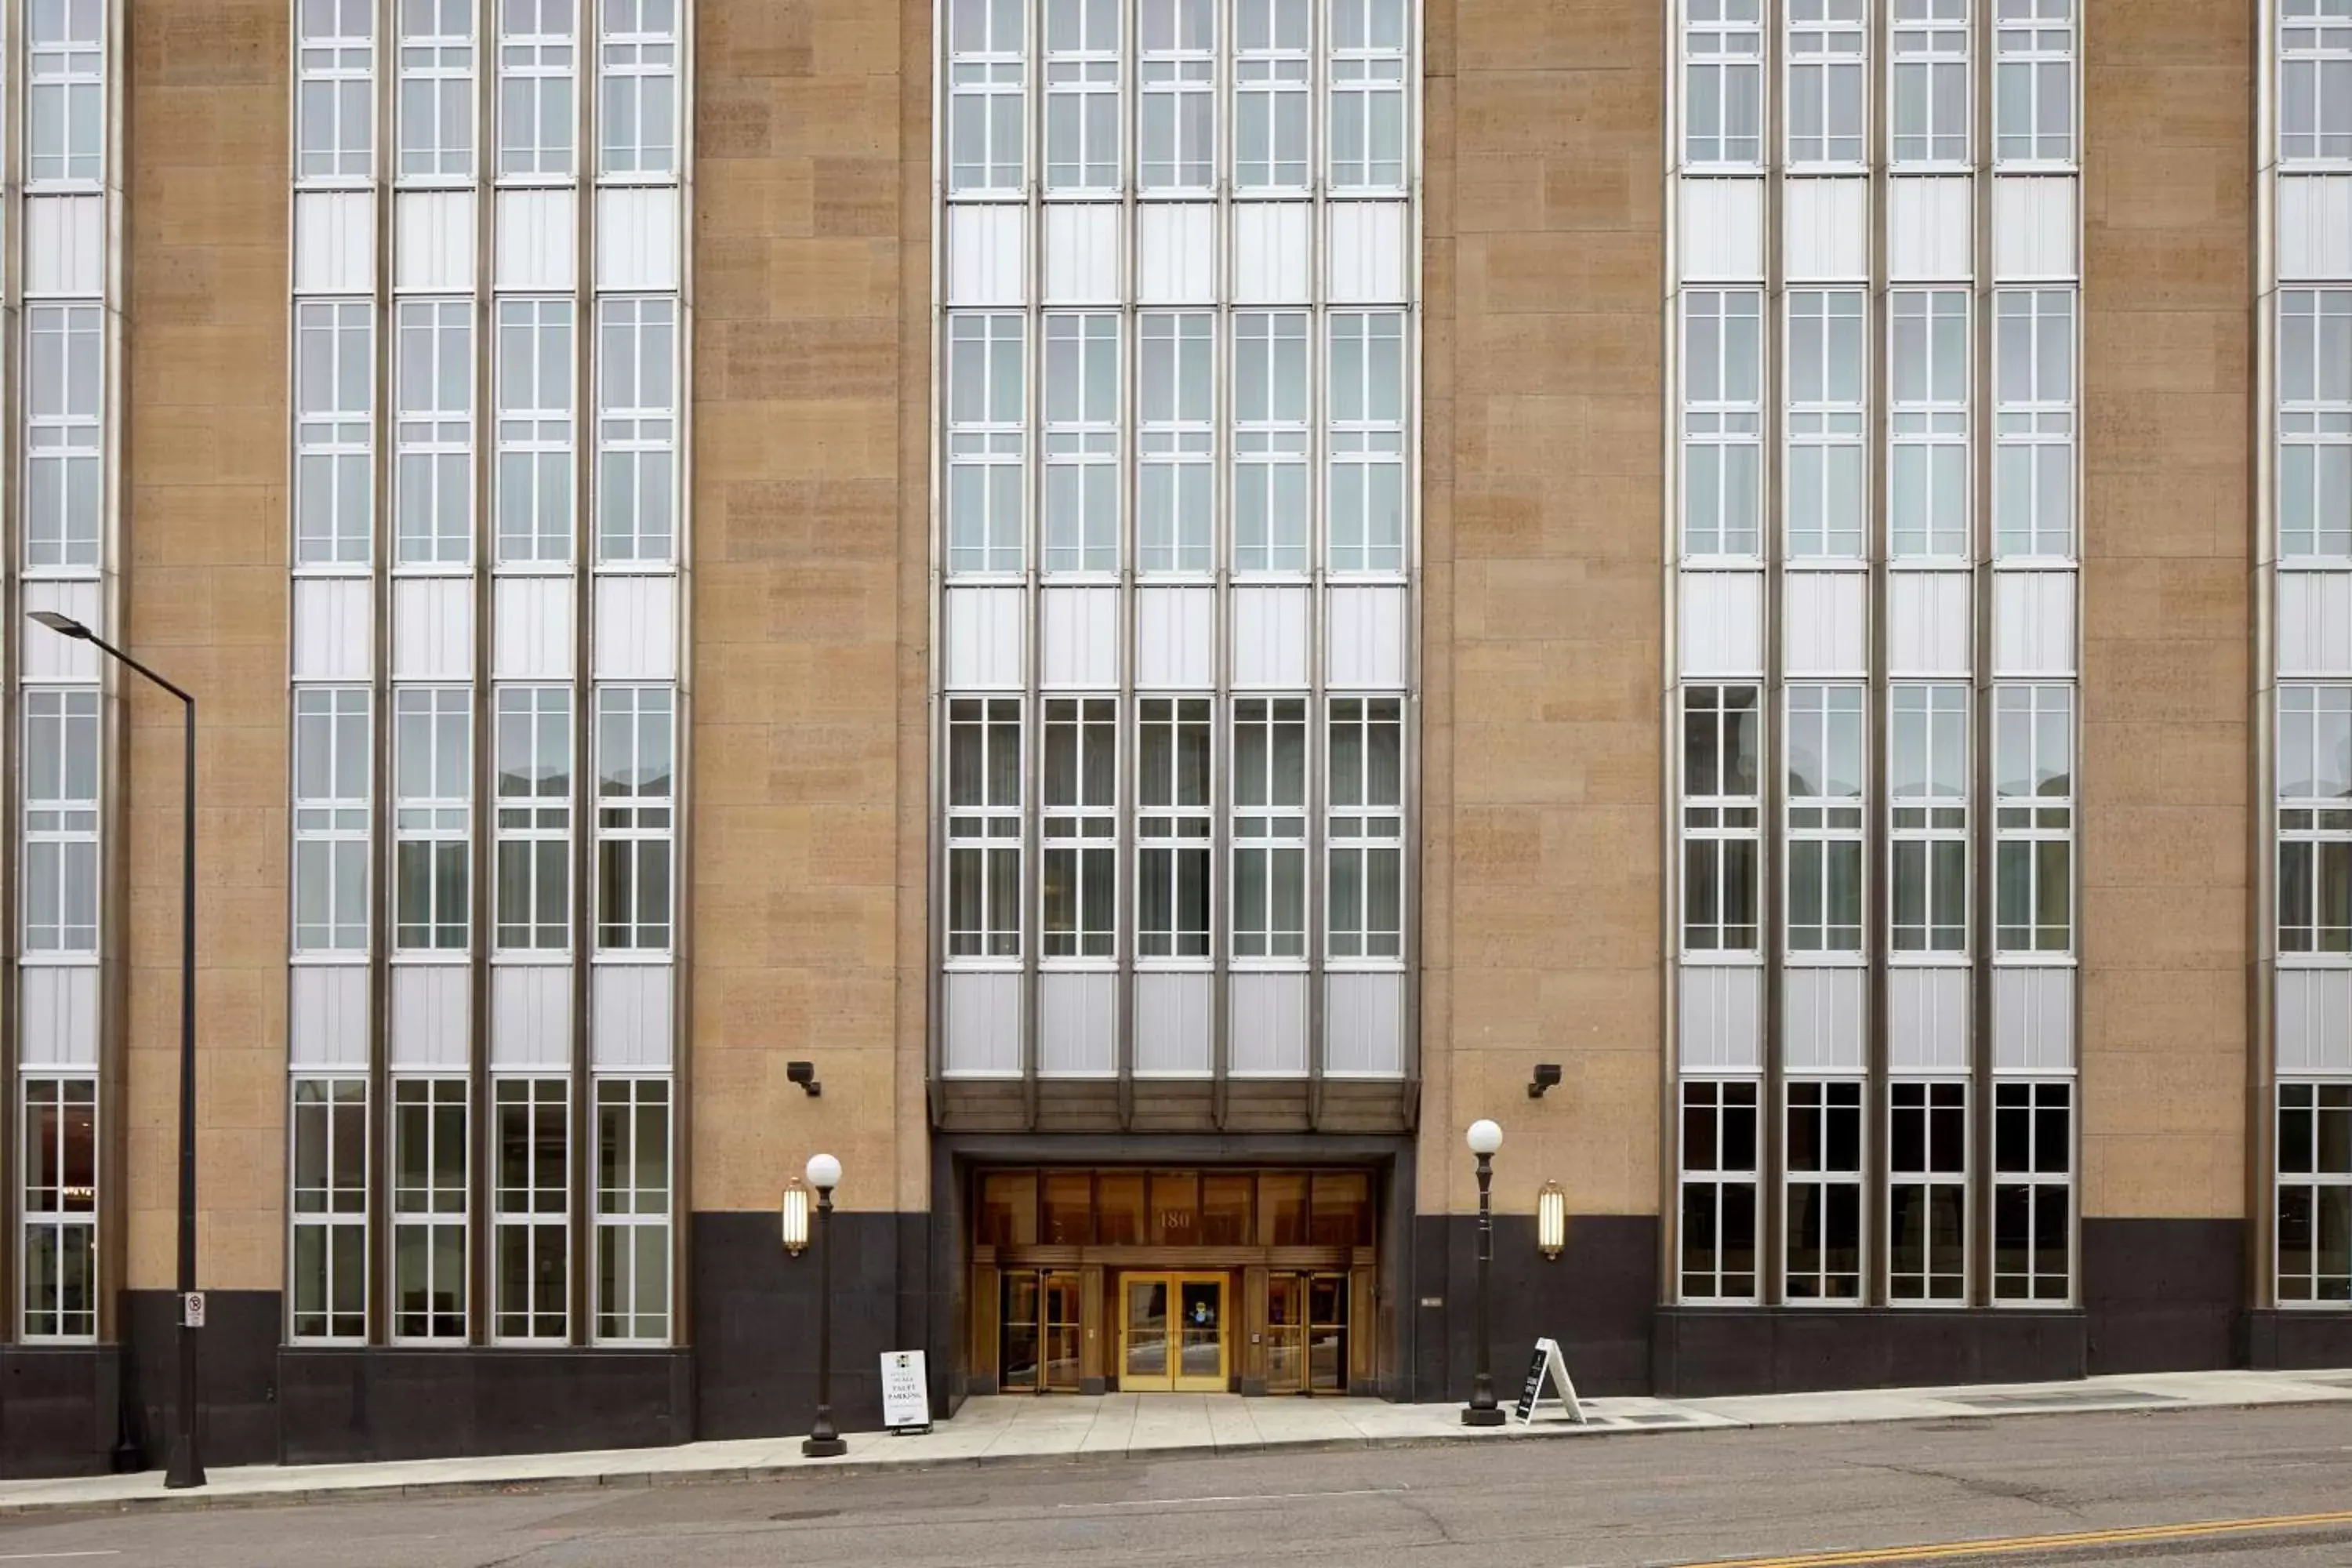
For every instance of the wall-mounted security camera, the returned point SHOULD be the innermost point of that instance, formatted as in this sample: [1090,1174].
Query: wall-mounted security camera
[805,1074]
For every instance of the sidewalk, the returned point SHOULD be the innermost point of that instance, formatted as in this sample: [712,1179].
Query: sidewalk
[1014,1429]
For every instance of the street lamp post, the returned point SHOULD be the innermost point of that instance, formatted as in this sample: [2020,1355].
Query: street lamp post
[186,1467]
[823,1442]
[1485,1137]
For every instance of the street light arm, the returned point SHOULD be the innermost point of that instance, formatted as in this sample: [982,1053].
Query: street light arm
[186,697]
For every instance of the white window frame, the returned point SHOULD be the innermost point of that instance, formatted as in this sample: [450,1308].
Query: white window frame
[538,106]
[633,1220]
[1826,488]
[331,826]
[65,440]
[1082,97]
[1717,818]
[988,65]
[61,1216]
[1928,66]
[1928,823]
[2033,42]
[1367,399]
[433,434]
[2322,1179]
[535,412]
[65,68]
[334,435]
[1176,429]
[530,1214]
[1364,833]
[1269,913]
[1274,54]
[1176,85]
[1929,1100]
[1723,424]
[1080,398]
[2034,423]
[1827,83]
[1274,396]
[332,1110]
[1718,1104]
[2047,1165]
[2034,830]
[987,795]
[2315,826]
[1824,1101]
[436,109]
[637,60]
[533,823]
[1370,129]
[2314,424]
[1826,828]
[1928,425]
[432,822]
[637,819]
[63,767]
[636,431]
[1078,835]
[988,442]
[1174,831]
[1723,81]
[335,104]
[436,1205]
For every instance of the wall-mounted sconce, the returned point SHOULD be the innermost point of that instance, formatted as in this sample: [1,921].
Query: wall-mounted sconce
[1551,1219]
[1546,1077]
[805,1074]
[796,1217]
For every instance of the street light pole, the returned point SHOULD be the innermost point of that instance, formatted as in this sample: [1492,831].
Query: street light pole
[1485,1137]
[823,1442]
[186,1467]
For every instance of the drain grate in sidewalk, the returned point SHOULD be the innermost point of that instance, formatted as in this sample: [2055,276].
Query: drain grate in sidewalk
[2062,1399]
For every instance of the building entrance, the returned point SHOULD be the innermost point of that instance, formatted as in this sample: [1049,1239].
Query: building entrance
[1171,1332]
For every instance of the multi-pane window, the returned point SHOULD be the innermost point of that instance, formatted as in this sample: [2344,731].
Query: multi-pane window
[1927,1191]
[330,1199]
[1364,853]
[1927,480]
[632,1186]
[1822,1221]
[2033,79]
[428,1208]
[60,1195]
[1927,789]
[2314,819]
[335,104]
[2032,1162]
[2315,1192]
[1269,827]
[1270,401]
[436,89]
[1175,437]
[531,1208]
[2034,818]
[65,68]
[1173,807]
[1079,854]
[986,444]
[1082,56]
[637,430]
[433,464]
[2314,422]
[1827,39]
[1826,747]
[1366,442]
[986,74]
[1368,101]
[61,752]
[639,68]
[984,828]
[334,415]
[637,742]
[331,818]
[1723,82]
[533,749]
[1828,498]
[1081,397]
[1272,45]
[1723,421]
[537,51]
[64,368]
[432,850]
[1719,1164]
[1930,81]
[1176,68]
[2033,422]
[534,431]
[1722,745]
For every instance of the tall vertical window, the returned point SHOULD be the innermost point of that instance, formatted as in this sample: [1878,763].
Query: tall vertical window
[65,68]
[1723,82]
[1175,436]
[2033,79]
[335,105]
[636,742]
[1366,442]
[2314,422]
[334,415]
[2314,819]
[637,430]
[1928,502]
[640,78]
[1270,401]
[1722,807]
[1269,827]
[1177,68]
[2315,1192]
[2033,422]
[1928,786]
[432,850]
[986,442]
[1718,1190]
[433,464]
[530,1204]
[64,366]
[329,1183]
[436,89]
[60,1195]
[1723,422]
[985,804]
[1172,827]
[1821,1241]
[2034,818]
[428,1208]
[331,818]
[987,61]
[1827,489]
[534,431]
[1930,74]
[1082,56]
[1826,747]
[2032,1162]
[537,49]
[1827,39]
[62,749]
[1272,41]
[632,1186]
[1927,1191]
[1080,830]
[1081,394]
[1364,896]
[1368,101]
[534,741]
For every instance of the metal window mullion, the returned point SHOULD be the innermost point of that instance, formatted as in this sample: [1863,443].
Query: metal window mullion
[1980,428]
[382,422]
[1772,933]
[1031,901]
[1879,859]
[1315,742]
[1128,713]
[481,451]
[2262,913]
[1223,880]
[579,693]
[13,102]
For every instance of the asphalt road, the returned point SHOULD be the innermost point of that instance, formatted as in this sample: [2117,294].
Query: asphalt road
[1714,1498]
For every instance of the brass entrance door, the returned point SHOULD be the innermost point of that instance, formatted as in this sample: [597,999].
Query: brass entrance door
[1171,1332]
[1306,1333]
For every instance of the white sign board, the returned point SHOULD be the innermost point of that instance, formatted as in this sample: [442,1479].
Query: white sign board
[1547,1371]
[906,1392]
[192,1310]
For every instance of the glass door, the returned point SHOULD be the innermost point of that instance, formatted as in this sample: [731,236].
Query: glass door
[1326,1333]
[1171,1333]
[1061,1346]
[1286,1333]
[1201,1333]
[1143,1359]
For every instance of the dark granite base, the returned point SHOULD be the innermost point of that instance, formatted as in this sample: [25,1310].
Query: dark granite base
[1596,1298]
[338,1406]
[2299,1342]
[60,1409]
[1697,1351]
[2165,1295]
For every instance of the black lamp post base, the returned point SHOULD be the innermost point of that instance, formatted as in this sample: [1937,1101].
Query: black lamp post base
[823,1448]
[1493,1415]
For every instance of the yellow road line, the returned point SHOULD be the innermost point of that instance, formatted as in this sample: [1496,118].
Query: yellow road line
[1939,1551]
